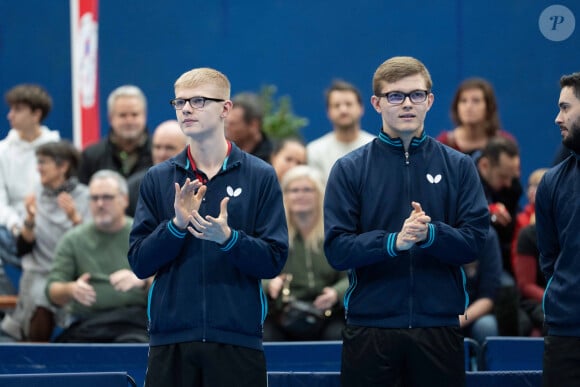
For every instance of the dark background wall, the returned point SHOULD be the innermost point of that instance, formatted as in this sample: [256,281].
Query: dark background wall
[301,46]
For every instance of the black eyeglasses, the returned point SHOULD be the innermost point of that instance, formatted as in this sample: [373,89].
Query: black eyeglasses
[195,102]
[104,197]
[398,97]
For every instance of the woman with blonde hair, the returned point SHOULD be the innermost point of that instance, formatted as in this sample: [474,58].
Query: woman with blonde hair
[306,297]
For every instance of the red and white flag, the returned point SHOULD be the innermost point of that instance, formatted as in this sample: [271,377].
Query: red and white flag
[84,55]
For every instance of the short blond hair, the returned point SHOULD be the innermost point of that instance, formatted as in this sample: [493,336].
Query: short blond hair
[205,76]
[397,68]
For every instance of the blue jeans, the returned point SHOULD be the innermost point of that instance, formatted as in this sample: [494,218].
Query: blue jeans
[482,327]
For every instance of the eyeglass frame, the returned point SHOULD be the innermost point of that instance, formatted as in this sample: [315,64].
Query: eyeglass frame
[105,198]
[173,102]
[405,96]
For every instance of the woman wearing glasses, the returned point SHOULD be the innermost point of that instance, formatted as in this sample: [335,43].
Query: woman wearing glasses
[60,204]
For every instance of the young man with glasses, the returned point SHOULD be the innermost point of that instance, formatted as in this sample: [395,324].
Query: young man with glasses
[209,225]
[557,226]
[403,214]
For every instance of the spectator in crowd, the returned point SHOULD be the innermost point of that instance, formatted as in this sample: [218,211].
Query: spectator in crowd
[499,171]
[127,148]
[167,141]
[307,296]
[525,216]
[530,280]
[287,153]
[59,204]
[344,109]
[483,282]
[244,126]
[474,112]
[557,222]
[209,238]
[403,213]
[91,274]
[29,106]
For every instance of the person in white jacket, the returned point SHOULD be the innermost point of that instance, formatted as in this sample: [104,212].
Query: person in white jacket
[29,106]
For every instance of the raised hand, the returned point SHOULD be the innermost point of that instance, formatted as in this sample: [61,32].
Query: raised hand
[66,202]
[187,200]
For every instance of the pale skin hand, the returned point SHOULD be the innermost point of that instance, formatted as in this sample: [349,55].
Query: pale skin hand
[502,215]
[66,202]
[124,280]
[327,299]
[30,206]
[210,228]
[186,205]
[186,200]
[275,286]
[82,291]
[414,228]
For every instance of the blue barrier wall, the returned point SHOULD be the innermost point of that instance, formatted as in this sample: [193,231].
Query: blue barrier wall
[301,46]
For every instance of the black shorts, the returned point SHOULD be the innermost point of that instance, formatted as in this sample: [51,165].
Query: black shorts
[402,357]
[561,361]
[196,364]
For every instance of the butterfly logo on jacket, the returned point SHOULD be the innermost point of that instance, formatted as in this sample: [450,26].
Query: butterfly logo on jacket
[434,180]
[233,193]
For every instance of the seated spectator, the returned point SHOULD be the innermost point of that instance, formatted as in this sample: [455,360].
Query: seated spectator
[29,106]
[529,277]
[287,153]
[306,298]
[474,112]
[523,217]
[59,205]
[127,148]
[91,274]
[244,126]
[344,109]
[483,283]
[168,140]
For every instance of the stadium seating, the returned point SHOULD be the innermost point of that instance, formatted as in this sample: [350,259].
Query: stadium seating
[512,353]
[507,361]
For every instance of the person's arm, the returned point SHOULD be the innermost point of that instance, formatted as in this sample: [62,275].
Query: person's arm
[60,281]
[475,310]
[263,254]
[525,271]
[546,228]
[153,242]
[526,264]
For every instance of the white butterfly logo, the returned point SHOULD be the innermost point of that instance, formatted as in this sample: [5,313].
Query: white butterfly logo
[233,193]
[433,180]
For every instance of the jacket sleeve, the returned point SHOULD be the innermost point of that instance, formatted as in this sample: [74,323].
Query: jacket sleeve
[345,246]
[152,243]
[546,229]
[264,253]
[490,266]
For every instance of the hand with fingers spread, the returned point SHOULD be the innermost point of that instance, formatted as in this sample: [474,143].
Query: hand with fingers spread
[414,228]
[210,228]
[187,200]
